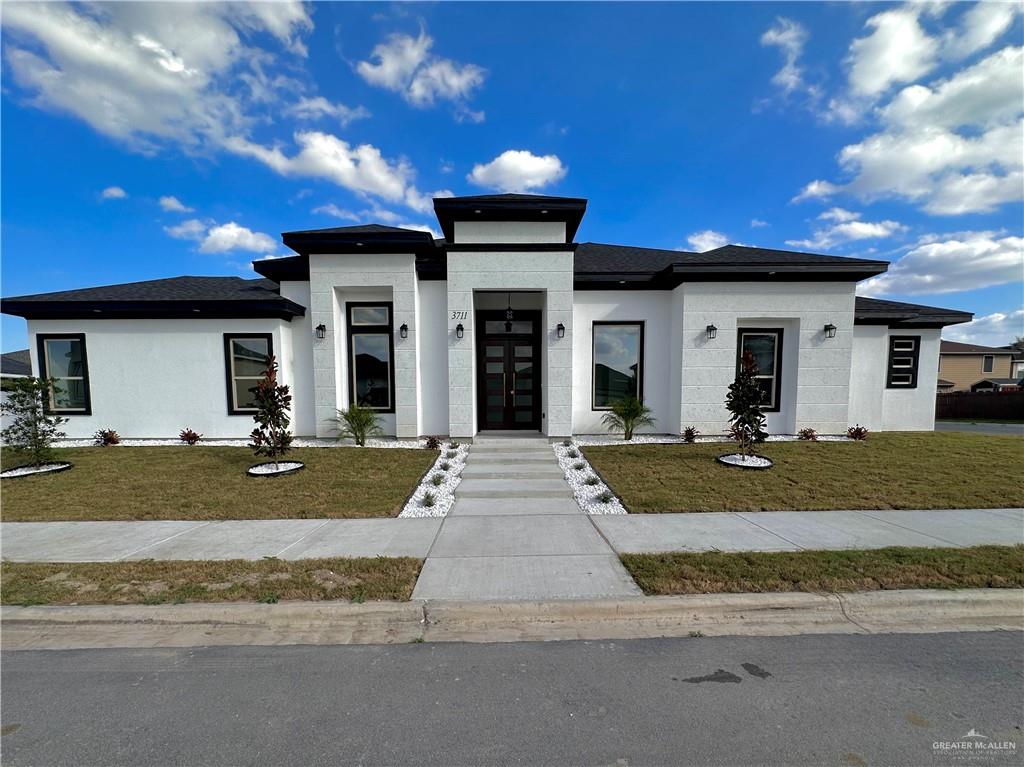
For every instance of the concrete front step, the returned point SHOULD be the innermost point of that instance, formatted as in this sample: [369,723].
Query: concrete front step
[496,459]
[511,442]
[512,455]
[512,471]
[512,487]
[513,496]
[495,507]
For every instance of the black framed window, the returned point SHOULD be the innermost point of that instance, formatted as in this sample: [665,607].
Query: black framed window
[371,355]
[901,372]
[987,363]
[765,346]
[246,356]
[63,358]
[618,363]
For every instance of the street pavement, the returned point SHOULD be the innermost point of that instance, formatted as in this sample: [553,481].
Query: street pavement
[1010,429]
[802,700]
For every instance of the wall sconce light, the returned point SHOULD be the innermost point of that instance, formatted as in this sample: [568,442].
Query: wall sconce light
[404,331]
[459,331]
[321,331]
[560,330]
[712,332]
[830,330]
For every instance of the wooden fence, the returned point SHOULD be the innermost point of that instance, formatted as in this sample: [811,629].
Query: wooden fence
[965,404]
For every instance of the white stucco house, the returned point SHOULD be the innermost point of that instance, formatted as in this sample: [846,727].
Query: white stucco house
[506,323]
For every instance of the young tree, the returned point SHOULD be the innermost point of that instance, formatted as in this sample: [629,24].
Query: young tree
[271,437]
[32,430]
[627,414]
[744,403]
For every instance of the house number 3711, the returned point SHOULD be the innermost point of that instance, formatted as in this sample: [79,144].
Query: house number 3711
[460,315]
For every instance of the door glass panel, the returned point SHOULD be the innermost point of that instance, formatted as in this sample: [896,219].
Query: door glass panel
[524,384]
[524,351]
[524,400]
[762,347]
[496,400]
[495,367]
[495,351]
[524,368]
[497,327]
[495,415]
[369,315]
[371,357]
[524,416]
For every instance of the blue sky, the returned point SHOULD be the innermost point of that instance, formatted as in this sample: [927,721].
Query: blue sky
[150,140]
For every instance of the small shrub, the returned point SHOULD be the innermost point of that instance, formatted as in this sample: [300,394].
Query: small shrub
[573,453]
[433,443]
[690,434]
[189,437]
[626,415]
[106,438]
[566,443]
[437,480]
[591,480]
[444,466]
[579,466]
[268,598]
[32,430]
[428,499]
[808,435]
[605,497]
[857,432]
[452,454]
[358,423]
[453,445]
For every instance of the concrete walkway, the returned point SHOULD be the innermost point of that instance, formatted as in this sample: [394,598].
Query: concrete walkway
[515,532]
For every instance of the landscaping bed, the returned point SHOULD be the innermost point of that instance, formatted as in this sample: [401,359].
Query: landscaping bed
[892,568]
[889,470]
[183,483]
[150,582]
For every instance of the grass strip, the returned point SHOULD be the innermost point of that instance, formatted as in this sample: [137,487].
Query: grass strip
[151,582]
[891,568]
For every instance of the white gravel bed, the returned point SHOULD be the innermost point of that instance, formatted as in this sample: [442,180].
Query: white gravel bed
[444,494]
[27,471]
[271,469]
[745,461]
[587,496]
[297,442]
[598,440]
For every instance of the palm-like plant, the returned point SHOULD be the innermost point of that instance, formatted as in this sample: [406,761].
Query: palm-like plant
[358,423]
[626,415]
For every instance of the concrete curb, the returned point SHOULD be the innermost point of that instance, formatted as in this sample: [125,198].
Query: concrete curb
[910,611]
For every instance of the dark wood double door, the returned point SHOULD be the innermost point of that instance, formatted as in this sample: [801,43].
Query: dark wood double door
[508,370]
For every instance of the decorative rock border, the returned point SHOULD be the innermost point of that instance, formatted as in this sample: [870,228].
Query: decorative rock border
[409,444]
[444,494]
[740,461]
[588,496]
[51,467]
[597,440]
[275,468]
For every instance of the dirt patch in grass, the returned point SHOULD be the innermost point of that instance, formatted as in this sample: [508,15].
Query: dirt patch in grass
[124,483]
[892,568]
[888,471]
[150,582]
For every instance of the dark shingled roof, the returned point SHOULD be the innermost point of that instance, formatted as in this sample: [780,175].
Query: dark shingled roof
[16,363]
[876,311]
[955,347]
[171,297]
[359,229]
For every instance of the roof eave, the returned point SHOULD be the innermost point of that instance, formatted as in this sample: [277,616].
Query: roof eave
[105,310]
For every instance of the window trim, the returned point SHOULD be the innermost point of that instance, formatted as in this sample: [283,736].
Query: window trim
[779,334]
[990,359]
[593,360]
[41,339]
[366,330]
[914,368]
[229,367]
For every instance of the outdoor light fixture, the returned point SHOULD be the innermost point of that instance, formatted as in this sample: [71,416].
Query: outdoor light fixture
[321,331]
[459,331]
[712,332]
[830,330]
[560,330]
[404,331]
[509,314]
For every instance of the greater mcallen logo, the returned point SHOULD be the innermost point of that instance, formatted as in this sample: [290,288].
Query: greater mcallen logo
[975,743]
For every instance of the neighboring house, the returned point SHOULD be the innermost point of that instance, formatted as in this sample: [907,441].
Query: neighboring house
[997,385]
[1017,364]
[506,323]
[967,364]
[15,364]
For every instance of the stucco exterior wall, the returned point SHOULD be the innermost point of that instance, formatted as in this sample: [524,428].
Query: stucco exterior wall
[433,356]
[815,369]
[300,360]
[882,409]
[153,378]
[476,232]
[654,309]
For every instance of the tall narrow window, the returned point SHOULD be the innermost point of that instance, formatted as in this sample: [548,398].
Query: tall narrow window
[902,368]
[63,358]
[987,362]
[246,356]
[618,363]
[765,346]
[371,367]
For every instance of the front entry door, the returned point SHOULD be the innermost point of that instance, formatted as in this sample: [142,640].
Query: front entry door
[508,370]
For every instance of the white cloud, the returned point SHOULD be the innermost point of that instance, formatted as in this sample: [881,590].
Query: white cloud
[839,215]
[816,189]
[174,205]
[756,223]
[789,37]
[518,170]
[404,64]
[996,329]
[980,26]
[330,209]
[113,193]
[318,107]
[707,240]
[964,261]
[224,238]
[897,50]
[192,229]
[846,227]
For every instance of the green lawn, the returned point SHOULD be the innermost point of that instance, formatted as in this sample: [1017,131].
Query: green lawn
[887,471]
[149,582]
[210,483]
[893,568]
